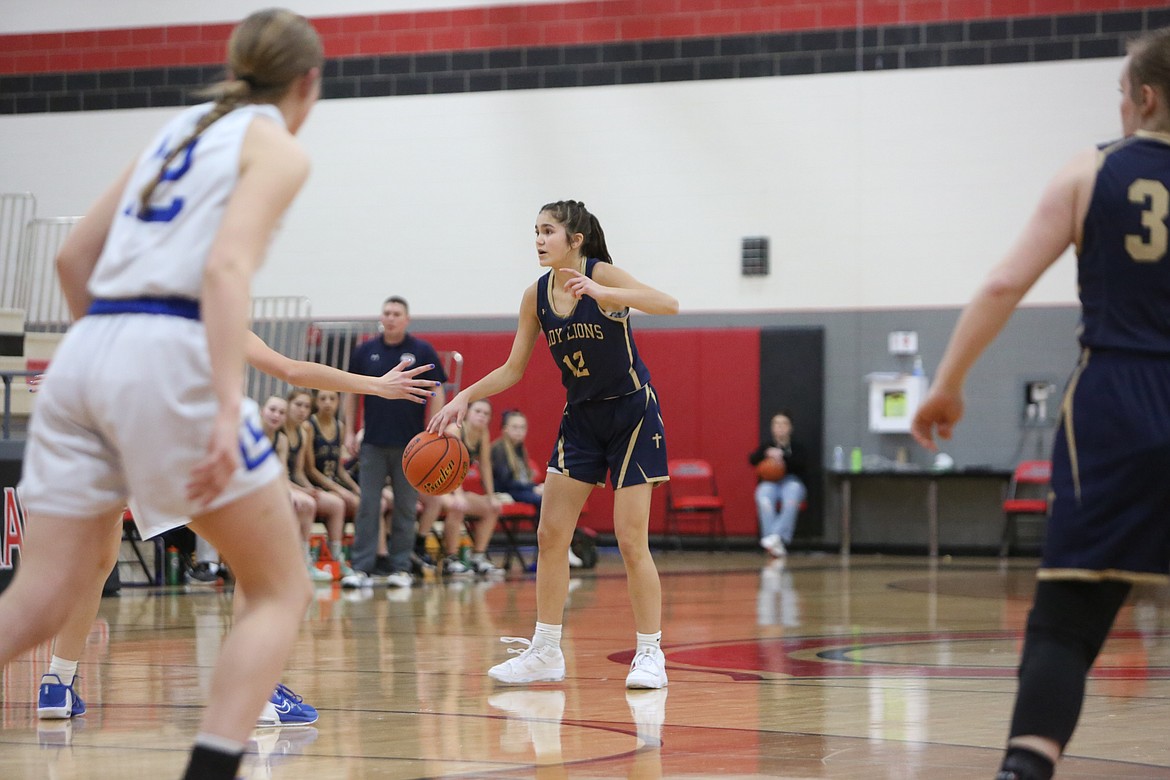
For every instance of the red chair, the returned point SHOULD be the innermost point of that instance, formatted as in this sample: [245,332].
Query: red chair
[515,518]
[1027,495]
[693,496]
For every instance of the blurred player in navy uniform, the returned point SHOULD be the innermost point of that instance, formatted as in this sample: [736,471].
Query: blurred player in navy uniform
[1108,516]
[611,425]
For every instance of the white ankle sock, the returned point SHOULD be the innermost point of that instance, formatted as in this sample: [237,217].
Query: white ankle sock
[546,635]
[648,641]
[65,670]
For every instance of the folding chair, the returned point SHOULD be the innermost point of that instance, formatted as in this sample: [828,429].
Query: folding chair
[152,570]
[1027,495]
[692,495]
[514,518]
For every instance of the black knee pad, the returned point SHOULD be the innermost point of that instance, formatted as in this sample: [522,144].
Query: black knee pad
[1079,613]
[1067,626]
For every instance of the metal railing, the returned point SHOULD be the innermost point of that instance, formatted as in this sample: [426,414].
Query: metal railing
[37,291]
[332,342]
[17,209]
[6,421]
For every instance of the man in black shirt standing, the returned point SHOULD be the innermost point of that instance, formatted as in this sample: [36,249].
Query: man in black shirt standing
[389,426]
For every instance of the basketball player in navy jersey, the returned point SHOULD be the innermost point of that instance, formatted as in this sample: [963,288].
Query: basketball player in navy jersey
[1108,516]
[611,425]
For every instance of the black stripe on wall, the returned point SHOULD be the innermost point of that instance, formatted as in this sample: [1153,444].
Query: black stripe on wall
[936,45]
[792,380]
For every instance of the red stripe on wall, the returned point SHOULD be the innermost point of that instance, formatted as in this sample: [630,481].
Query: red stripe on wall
[545,24]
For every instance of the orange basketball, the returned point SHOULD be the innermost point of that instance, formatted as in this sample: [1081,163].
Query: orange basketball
[771,470]
[435,463]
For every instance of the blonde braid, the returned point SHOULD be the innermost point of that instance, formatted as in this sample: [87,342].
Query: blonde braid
[230,96]
[267,52]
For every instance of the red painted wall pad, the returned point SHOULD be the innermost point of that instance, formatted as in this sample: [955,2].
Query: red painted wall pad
[708,384]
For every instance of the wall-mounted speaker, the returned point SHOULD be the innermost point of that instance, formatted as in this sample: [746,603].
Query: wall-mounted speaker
[754,256]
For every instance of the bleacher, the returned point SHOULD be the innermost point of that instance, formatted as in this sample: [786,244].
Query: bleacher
[33,314]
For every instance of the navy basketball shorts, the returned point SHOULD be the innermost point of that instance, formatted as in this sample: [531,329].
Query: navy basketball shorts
[620,436]
[1110,508]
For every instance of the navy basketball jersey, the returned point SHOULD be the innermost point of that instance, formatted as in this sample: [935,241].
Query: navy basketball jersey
[594,349]
[326,451]
[1124,271]
[294,452]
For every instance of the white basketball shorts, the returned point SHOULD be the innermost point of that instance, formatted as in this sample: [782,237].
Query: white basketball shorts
[126,409]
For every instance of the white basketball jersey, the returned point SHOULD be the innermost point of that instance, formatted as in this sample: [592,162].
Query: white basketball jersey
[161,251]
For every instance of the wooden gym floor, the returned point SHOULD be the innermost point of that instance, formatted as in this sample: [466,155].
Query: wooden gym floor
[874,667]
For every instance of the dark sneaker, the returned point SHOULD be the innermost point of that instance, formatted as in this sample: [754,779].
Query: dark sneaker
[421,563]
[485,568]
[203,574]
[453,567]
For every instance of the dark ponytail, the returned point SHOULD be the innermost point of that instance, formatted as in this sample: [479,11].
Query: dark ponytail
[577,219]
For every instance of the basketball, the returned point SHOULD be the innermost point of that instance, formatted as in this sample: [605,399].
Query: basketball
[771,470]
[435,463]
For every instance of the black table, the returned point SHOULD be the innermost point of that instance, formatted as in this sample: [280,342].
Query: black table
[845,479]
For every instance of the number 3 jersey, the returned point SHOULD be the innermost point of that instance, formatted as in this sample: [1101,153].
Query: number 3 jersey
[593,348]
[161,251]
[1124,271]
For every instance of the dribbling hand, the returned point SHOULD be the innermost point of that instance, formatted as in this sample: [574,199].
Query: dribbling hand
[401,383]
[453,412]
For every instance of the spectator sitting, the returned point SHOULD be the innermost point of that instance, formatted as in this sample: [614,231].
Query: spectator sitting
[328,505]
[777,528]
[484,507]
[272,420]
[512,469]
[323,467]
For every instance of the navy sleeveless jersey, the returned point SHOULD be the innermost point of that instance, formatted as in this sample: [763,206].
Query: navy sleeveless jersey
[1124,271]
[594,349]
[326,452]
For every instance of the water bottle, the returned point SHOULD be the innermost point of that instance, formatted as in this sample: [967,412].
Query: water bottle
[174,566]
[465,548]
[855,460]
[918,369]
[838,459]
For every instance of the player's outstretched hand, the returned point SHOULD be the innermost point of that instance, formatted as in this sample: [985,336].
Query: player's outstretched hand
[942,411]
[211,474]
[401,382]
[579,284]
[453,412]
